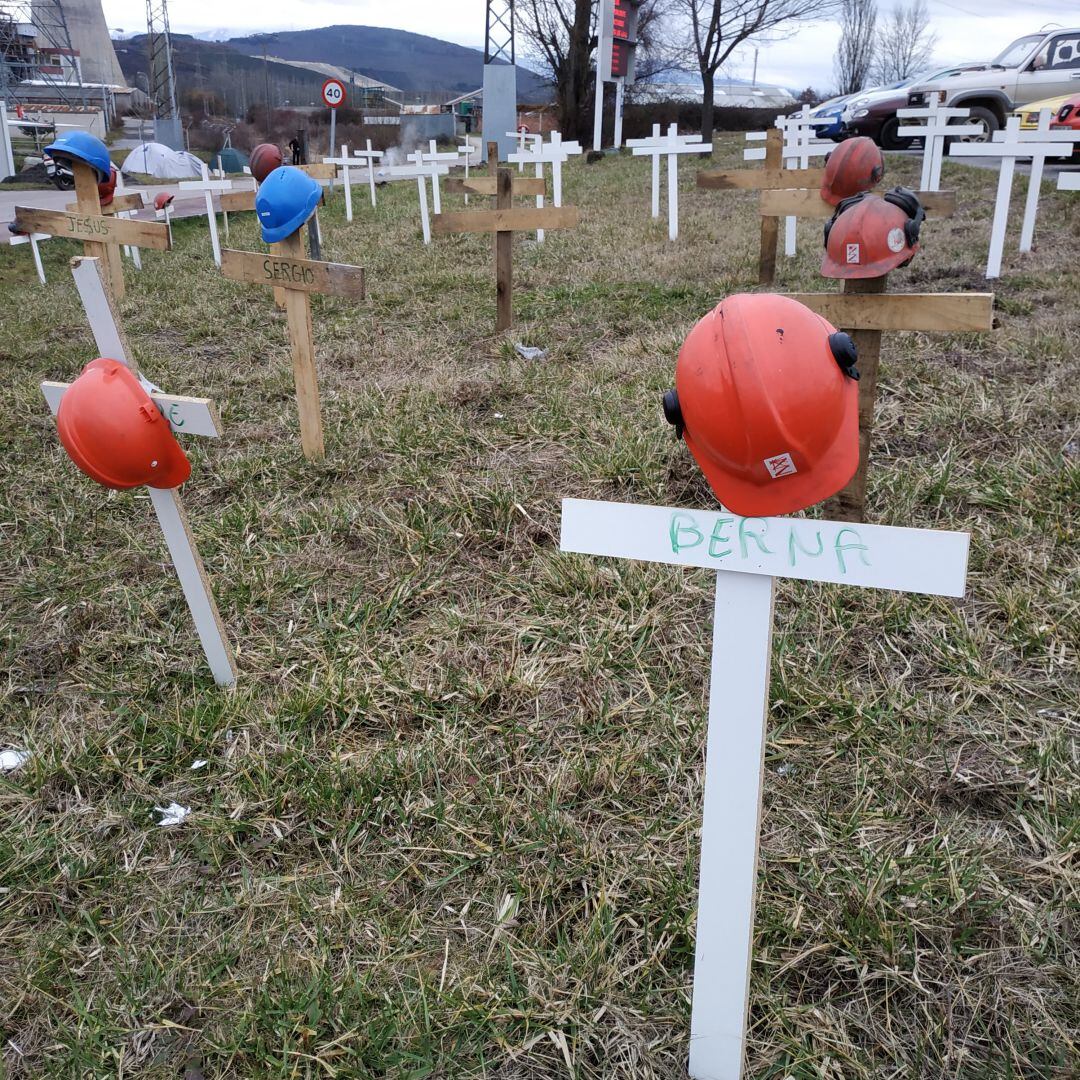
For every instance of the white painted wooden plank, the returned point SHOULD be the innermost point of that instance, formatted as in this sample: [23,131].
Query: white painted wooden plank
[186,415]
[95,301]
[1068,181]
[730,825]
[872,556]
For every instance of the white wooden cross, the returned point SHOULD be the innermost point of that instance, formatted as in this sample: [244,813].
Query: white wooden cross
[420,173]
[131,252]
[748,554]
[186,416]
[940,125]
[208,187]
[1010,144]
[33,239]
[523,140]
[800,144]
[344,162]
[555,152]
[670,145]
[370,157]
[472,156]
[433,156]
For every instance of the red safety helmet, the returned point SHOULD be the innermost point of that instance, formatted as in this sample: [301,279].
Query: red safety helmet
[855,165]
[106,188]
[265,158]
[767,403]
[869,235]
[162,199]
[113,431]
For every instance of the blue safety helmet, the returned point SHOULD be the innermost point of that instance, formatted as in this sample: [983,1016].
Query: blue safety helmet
[82,146]
[285,200]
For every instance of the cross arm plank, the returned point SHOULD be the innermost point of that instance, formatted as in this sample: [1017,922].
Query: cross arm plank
[485,185]
[307,275]
[942,312]
[237,201]
[319,171]
[759,179]
[93,227]
[808,203]
[525,219]
[120,203]
[186,415]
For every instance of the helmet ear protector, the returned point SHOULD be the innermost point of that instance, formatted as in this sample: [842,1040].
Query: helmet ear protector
[841,206]
[845,353]
[672,412]
[908,201]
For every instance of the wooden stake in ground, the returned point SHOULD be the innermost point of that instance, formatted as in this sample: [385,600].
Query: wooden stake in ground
[863,310]
[287,269]
[770,226]
[503,221]
[186,416]
[748,555]
[102,234]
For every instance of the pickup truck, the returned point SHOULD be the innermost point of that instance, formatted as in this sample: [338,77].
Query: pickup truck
[1042,65]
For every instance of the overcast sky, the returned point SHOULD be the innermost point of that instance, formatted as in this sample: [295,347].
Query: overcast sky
[966,29]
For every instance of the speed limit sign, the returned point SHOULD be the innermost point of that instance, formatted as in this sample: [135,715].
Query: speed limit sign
[333,93]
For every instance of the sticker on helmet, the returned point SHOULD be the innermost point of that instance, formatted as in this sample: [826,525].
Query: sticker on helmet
[780,465]
[895,240]
[853,253]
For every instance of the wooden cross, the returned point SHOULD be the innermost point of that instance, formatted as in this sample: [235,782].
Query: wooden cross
[101,233]
[344,163]
[863,309]
[33,239]
[503,221]
[208,187]
[670,146]
[370,157]
[186,416]
[286,269]
[420,172]
[941,124]
[747,555]
[1010,144]
[434,157]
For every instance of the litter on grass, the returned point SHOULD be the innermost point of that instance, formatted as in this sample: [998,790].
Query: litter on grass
[173,814]
[529,352]
[10,760]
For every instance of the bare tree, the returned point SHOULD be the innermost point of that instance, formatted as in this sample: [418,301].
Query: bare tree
[716,28]
[905,43]
[561,37]
[855,53]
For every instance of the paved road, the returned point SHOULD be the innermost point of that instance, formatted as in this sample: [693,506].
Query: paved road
[1023,168]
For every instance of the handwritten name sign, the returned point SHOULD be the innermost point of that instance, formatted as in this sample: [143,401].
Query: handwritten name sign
[307,275]
[874,556]
[109,230]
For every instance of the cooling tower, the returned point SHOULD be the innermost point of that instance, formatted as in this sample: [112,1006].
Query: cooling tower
[89,38]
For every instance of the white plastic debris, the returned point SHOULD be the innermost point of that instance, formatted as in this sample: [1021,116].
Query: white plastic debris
[198,763]
[173,814]
[529,352]
[10,760]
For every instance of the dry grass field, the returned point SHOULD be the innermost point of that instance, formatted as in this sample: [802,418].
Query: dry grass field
[449,822]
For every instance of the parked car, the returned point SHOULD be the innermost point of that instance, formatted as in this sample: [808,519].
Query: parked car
[1033,67]
[873,112]
[830,112]
[1068,116]
[1029,114]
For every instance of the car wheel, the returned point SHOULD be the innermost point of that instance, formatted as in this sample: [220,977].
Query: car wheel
[888,138]
[985,119]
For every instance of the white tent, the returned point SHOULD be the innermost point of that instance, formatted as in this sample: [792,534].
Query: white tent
[156,159]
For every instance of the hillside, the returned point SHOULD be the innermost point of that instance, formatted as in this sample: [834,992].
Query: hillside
[411,62]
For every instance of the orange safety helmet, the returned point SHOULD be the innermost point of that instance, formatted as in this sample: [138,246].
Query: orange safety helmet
[106,188]
[113,431]
[163,199]
[855,165]
[265,158]
[869,235]
[766,400]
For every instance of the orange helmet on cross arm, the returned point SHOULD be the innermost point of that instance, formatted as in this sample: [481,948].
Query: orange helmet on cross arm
[766,398]
[855,165]
[869,235]
[107,188]
[113,431]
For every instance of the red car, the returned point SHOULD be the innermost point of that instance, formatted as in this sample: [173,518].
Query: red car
[1068,118]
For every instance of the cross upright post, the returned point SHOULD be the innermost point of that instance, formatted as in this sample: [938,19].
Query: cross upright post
[941,123]
[208,187]
[670,146]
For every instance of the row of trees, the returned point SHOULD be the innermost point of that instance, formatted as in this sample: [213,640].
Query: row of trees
[884,52]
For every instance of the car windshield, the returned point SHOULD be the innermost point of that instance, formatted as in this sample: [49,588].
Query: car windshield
[1016,52]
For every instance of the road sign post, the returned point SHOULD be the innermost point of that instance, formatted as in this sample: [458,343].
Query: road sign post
[333,95]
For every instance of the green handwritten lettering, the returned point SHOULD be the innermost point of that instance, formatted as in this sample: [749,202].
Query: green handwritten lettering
[174,416]
[717,538]
[794,542]
[858,546]
[677,528]
[745,532]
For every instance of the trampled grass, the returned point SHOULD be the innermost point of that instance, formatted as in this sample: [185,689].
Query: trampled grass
[449,821]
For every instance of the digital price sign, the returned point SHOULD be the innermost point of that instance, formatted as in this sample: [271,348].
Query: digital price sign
[618,39]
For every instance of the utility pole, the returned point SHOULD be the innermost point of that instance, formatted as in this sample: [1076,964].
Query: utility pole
[162,82]
[266,78]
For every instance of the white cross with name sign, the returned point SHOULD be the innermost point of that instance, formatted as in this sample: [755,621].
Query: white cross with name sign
[941,124]
[33,239]
[370,157]
[1010,144]
[748,554]
[670,146]
[208,187]
[186,416]
[437,157]
[555,152]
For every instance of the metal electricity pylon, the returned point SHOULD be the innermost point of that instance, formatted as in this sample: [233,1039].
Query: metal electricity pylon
[499,32]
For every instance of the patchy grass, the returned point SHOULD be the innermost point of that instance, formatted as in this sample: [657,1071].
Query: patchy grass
[449,823]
